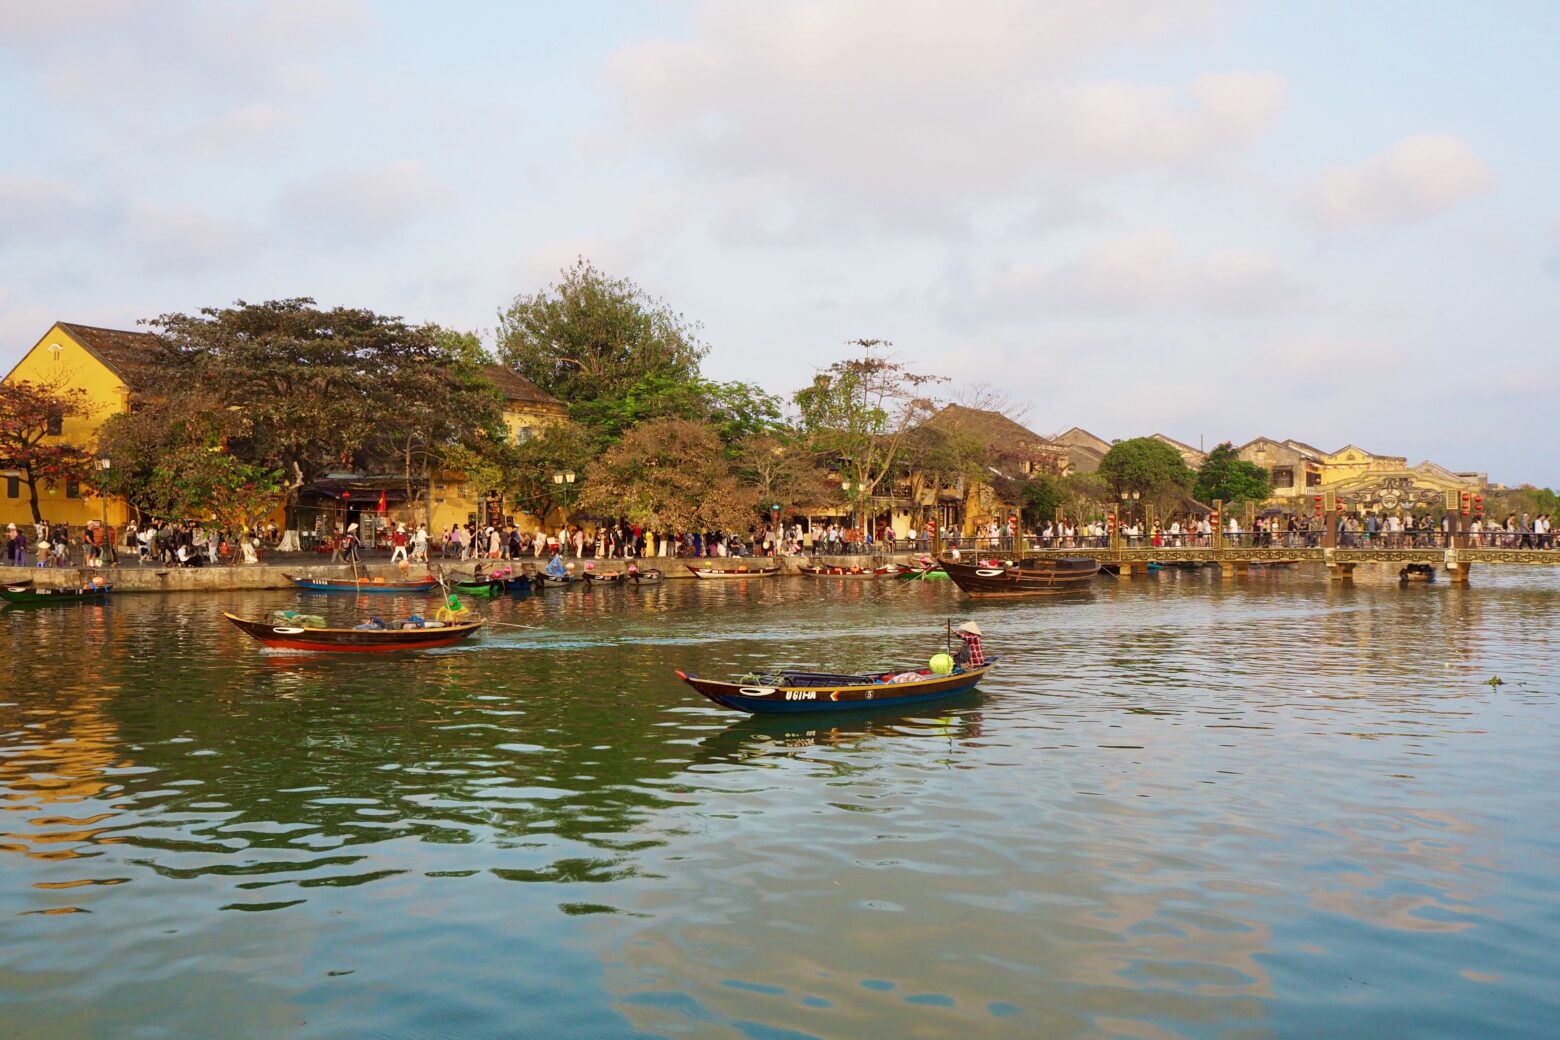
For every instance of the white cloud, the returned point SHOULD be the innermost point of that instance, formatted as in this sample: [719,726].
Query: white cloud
[236,129]
[364,204]
[810,117]
[1415,178]
[184,239]
[39,206]
[1147,272]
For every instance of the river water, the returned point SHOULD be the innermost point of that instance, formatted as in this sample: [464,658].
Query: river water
[1277,808]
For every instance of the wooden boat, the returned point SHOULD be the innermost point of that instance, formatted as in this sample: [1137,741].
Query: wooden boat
[792,691]
[28,593]
[517,583]
[1046,576]
[826,571]
[1416,572]
[711,574]
[424,584]
[487,588]
[353,640]
[647,577]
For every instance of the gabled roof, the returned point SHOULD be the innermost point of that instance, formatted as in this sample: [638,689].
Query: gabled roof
[993,428]
[517,388]
[1302,446]
[1178,445]
[1441,471]
[122,352]
[1078,437]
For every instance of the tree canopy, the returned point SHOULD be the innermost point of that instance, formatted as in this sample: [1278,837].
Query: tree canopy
[670,475]
[1148,466]
[1225,475]
[858,412]
[30,414]
[305,390]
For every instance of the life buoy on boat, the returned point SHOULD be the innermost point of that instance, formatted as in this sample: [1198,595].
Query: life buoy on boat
[288,631]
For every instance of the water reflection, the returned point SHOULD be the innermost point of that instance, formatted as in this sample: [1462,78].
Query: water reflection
[1181,807]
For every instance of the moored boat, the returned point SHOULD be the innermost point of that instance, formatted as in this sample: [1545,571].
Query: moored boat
[354,640]
[1042,576]
[622,578]
[797,691]
[711,573]
[364,584]
[486,587]
[827,571]
[27,593]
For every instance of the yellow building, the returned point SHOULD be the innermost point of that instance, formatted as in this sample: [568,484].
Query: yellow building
[527,411]
[102,363]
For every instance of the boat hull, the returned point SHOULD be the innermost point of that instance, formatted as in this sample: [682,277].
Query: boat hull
[363,585]
[29,594]
[1043,577]
[825,697]
[715,575]
[841,572]
[352,640]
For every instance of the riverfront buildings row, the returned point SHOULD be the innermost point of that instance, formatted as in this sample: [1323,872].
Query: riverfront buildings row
[101,362]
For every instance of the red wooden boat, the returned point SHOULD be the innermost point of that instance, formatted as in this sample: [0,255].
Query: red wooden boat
[353,640]
[710,573]
[827,571]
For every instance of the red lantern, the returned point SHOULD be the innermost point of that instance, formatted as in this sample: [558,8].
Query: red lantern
[1478,504]
[1467,503]
[1317,501]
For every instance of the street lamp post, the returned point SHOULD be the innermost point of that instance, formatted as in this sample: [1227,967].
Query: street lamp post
[565,480]
[105,543]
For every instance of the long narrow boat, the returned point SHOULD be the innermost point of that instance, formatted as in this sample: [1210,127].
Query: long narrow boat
[28,593]
[620,578]
[1046,576]
[353,640]
[711,574]
[486,588]
[789,691]
[425,584]
[827,571]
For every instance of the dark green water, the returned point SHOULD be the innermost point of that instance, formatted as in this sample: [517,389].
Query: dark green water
[1275,809]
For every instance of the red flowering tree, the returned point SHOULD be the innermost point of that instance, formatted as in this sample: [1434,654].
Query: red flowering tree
[30,421]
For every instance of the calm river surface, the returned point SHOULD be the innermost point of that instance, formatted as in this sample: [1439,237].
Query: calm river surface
[1279,808]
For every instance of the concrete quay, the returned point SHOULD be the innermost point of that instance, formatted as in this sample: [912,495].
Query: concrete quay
[273,575]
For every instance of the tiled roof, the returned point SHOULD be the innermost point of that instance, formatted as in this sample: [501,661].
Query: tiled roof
[125,353]
[516,387]
[993,428]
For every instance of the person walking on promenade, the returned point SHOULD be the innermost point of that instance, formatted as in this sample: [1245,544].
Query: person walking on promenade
[398,540]
[420,544]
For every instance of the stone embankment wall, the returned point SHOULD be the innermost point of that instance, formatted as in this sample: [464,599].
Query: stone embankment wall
[136,578]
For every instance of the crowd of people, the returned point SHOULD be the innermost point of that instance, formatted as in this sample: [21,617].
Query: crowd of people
[190,543]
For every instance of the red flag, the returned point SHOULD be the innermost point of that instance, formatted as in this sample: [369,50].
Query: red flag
[384,506]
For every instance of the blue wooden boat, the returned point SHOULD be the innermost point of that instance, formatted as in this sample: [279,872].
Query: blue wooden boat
[360,585]
[795,691]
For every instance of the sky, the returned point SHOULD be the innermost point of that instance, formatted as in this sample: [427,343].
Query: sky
[1335,222]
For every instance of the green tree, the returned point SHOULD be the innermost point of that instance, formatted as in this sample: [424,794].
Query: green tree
[859,411]
[1148,466]
[670,475]
[783,472]
[1225,475]
[1039,496]
[31,416]
[615,354]
[315,388]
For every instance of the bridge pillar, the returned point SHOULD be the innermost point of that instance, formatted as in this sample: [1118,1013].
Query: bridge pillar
[1125,571]
[1230,571]
[1340,571]
[1458,575]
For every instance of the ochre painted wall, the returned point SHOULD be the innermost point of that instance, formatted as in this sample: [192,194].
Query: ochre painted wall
[57,359]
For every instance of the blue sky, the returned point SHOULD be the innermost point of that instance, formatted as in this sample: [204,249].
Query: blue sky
[1335,222]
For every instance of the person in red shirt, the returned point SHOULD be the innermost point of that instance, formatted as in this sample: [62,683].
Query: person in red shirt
[970,654]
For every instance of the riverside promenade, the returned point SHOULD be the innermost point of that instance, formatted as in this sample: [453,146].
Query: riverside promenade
[272,571]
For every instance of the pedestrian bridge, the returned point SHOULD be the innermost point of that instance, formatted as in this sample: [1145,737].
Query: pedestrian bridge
[1237,554]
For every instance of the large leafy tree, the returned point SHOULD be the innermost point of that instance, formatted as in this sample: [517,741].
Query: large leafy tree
[859,411]
[934,457]
[1039,496]
[670,475]
[316,389]
[1145,465]
[783,472]
[1225,475]
[28,412]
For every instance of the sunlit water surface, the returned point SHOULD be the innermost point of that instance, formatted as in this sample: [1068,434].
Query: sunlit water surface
[1278,808]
